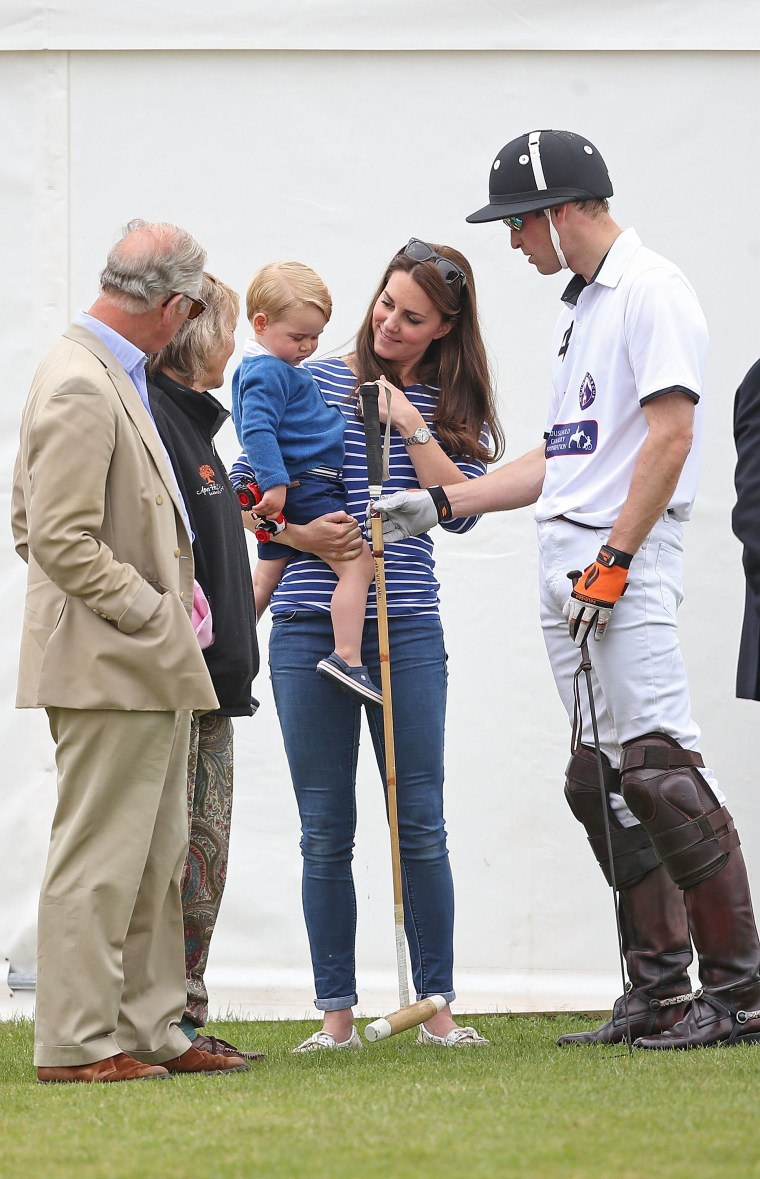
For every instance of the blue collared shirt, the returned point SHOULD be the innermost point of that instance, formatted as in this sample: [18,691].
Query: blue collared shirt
[133,361]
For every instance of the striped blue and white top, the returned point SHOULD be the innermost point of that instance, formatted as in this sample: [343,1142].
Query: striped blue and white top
[411,585]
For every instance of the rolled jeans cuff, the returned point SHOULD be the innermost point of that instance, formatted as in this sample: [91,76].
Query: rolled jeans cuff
[339,1004]
[449,996]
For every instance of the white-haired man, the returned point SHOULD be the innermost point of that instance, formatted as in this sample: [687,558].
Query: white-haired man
[109,650]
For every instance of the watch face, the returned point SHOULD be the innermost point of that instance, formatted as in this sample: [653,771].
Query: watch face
[421,434]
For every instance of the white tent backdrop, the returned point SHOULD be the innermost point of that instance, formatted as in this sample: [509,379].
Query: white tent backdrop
[330,134]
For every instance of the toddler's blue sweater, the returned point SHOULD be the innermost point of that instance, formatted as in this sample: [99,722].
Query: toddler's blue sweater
[282,421]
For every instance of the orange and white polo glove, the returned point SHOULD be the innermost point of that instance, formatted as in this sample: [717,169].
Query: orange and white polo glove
[595,593]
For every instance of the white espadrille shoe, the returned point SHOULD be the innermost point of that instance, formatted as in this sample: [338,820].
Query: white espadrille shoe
[456,1038]
[321,1040]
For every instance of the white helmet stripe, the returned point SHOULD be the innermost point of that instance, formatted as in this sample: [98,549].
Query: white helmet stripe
[535,159]
[538,176]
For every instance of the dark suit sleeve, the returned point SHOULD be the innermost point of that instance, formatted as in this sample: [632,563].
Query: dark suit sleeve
[745,518]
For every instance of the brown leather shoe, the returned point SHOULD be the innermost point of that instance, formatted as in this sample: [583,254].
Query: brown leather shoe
[219,1047]
[114,1068]
[196,1061]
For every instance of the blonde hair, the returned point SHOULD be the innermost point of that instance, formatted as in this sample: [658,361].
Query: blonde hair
[281,287]
[188,352]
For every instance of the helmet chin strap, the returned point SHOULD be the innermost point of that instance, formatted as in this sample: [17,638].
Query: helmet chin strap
[555,240]
[538,175]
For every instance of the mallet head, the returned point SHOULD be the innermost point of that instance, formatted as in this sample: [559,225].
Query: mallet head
[406,1017]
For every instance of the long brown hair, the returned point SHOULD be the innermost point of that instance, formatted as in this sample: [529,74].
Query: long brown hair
[455,363]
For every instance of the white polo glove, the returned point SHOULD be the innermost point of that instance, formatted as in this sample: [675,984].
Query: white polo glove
[410,513]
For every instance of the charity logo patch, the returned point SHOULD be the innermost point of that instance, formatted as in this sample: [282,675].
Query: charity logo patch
[572,438]
[210,485]
[587,394]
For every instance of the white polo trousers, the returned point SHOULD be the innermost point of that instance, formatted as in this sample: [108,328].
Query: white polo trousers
[638,674]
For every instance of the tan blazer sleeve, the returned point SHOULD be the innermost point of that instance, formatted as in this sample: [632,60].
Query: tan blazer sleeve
[18,514]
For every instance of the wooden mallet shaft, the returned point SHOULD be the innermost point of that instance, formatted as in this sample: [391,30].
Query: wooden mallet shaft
[409,1015]
[405,1018]
[369,395]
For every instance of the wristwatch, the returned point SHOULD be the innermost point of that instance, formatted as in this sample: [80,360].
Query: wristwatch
[420,435]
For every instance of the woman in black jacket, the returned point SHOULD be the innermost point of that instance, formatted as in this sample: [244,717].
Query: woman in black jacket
[188,417]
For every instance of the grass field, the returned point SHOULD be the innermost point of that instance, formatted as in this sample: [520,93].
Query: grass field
[521,1108]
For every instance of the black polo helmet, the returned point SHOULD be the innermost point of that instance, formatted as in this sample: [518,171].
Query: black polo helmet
[542,169]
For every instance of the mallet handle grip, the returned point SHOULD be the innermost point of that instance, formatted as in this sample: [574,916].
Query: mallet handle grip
[369,395]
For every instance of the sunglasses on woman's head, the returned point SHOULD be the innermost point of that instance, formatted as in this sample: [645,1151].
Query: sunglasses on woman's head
[420,251]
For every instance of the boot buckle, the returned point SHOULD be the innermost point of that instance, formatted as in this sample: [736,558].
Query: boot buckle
[744,1016]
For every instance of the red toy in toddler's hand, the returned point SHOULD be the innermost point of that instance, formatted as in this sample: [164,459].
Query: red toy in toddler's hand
[249,494]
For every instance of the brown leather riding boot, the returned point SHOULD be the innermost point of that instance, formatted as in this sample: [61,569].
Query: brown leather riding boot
[657,954]
[722,924]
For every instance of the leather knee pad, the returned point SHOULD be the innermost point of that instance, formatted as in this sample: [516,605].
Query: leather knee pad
[664,789]
[633,855]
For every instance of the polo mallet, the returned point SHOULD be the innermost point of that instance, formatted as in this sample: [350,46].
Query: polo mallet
[409,1015]
[585,667]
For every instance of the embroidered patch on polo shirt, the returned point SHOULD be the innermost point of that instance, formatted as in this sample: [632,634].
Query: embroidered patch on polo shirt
[572,438]
[587,394]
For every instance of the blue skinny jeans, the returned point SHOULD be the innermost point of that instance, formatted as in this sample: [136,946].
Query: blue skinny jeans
[320,726]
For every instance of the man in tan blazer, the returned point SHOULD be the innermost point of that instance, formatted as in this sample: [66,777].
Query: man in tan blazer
[109,650]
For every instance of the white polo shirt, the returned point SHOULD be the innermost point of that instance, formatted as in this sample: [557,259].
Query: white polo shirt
[634,332]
